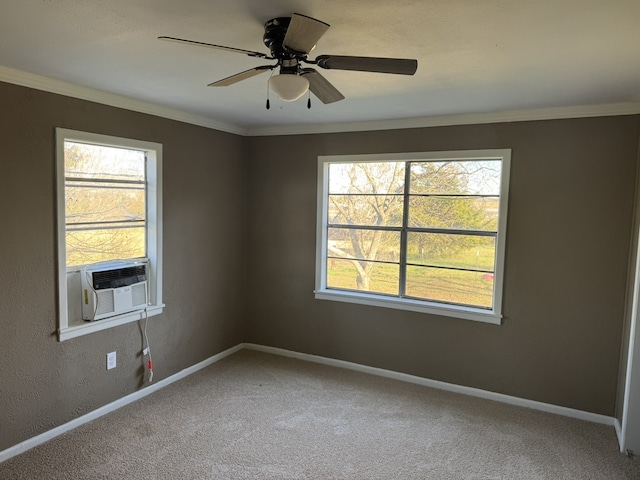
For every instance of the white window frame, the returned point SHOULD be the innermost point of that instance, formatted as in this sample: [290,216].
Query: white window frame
[493,316]
[70,323]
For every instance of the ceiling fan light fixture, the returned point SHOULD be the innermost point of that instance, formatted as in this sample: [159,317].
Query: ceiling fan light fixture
[289,87]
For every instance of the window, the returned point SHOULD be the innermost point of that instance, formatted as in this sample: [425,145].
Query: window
[109,208]
[105,214]
[414,231]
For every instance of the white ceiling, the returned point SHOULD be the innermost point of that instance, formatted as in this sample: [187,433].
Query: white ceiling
[474,56]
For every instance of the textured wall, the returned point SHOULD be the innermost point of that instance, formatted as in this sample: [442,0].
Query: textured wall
[569,225]
[570,211]
[44,383]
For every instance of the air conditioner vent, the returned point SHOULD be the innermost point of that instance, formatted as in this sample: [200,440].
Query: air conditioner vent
[120,277]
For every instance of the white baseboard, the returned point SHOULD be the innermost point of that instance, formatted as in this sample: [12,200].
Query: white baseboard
[154,387]
[474,392]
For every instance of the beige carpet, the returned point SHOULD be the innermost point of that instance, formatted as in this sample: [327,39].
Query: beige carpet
[254,415]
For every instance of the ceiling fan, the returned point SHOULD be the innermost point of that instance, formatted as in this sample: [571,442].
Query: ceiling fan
[290,40]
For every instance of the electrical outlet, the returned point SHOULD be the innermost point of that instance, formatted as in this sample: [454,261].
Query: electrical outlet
[111,360]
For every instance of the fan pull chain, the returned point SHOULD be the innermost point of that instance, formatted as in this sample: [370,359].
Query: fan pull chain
[309,101]
[268,103]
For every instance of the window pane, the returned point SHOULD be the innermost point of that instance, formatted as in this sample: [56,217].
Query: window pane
[98,162]
[457,251]
[450,286]
[89,246]
[456,177]
[378,245]
[103,203]
[378,210]
[377,178]
[104,185]
[363,276]
[460,213]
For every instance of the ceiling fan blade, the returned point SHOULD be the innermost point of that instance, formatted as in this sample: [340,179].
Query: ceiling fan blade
[303,33]
[321,87]
[218,47]
[401,66]
[225,82]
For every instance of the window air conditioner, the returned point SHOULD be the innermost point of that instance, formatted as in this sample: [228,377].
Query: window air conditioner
[112,288]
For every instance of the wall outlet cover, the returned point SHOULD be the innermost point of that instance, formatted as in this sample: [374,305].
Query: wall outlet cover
[111,360]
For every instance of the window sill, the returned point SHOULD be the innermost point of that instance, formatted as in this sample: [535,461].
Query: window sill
[78,329]
[465,313]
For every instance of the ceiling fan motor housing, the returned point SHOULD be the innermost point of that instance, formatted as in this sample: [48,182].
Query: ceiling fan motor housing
[275,31]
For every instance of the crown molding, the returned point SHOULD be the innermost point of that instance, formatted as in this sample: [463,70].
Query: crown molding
[47,84]
[60,87]
[555,113]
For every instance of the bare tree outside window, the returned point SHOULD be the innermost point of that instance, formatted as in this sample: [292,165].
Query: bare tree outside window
[105,212]
[418,229]
[365,195]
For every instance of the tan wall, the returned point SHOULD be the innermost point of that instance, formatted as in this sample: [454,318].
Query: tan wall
[571,198]
[44,383]
[569,226]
